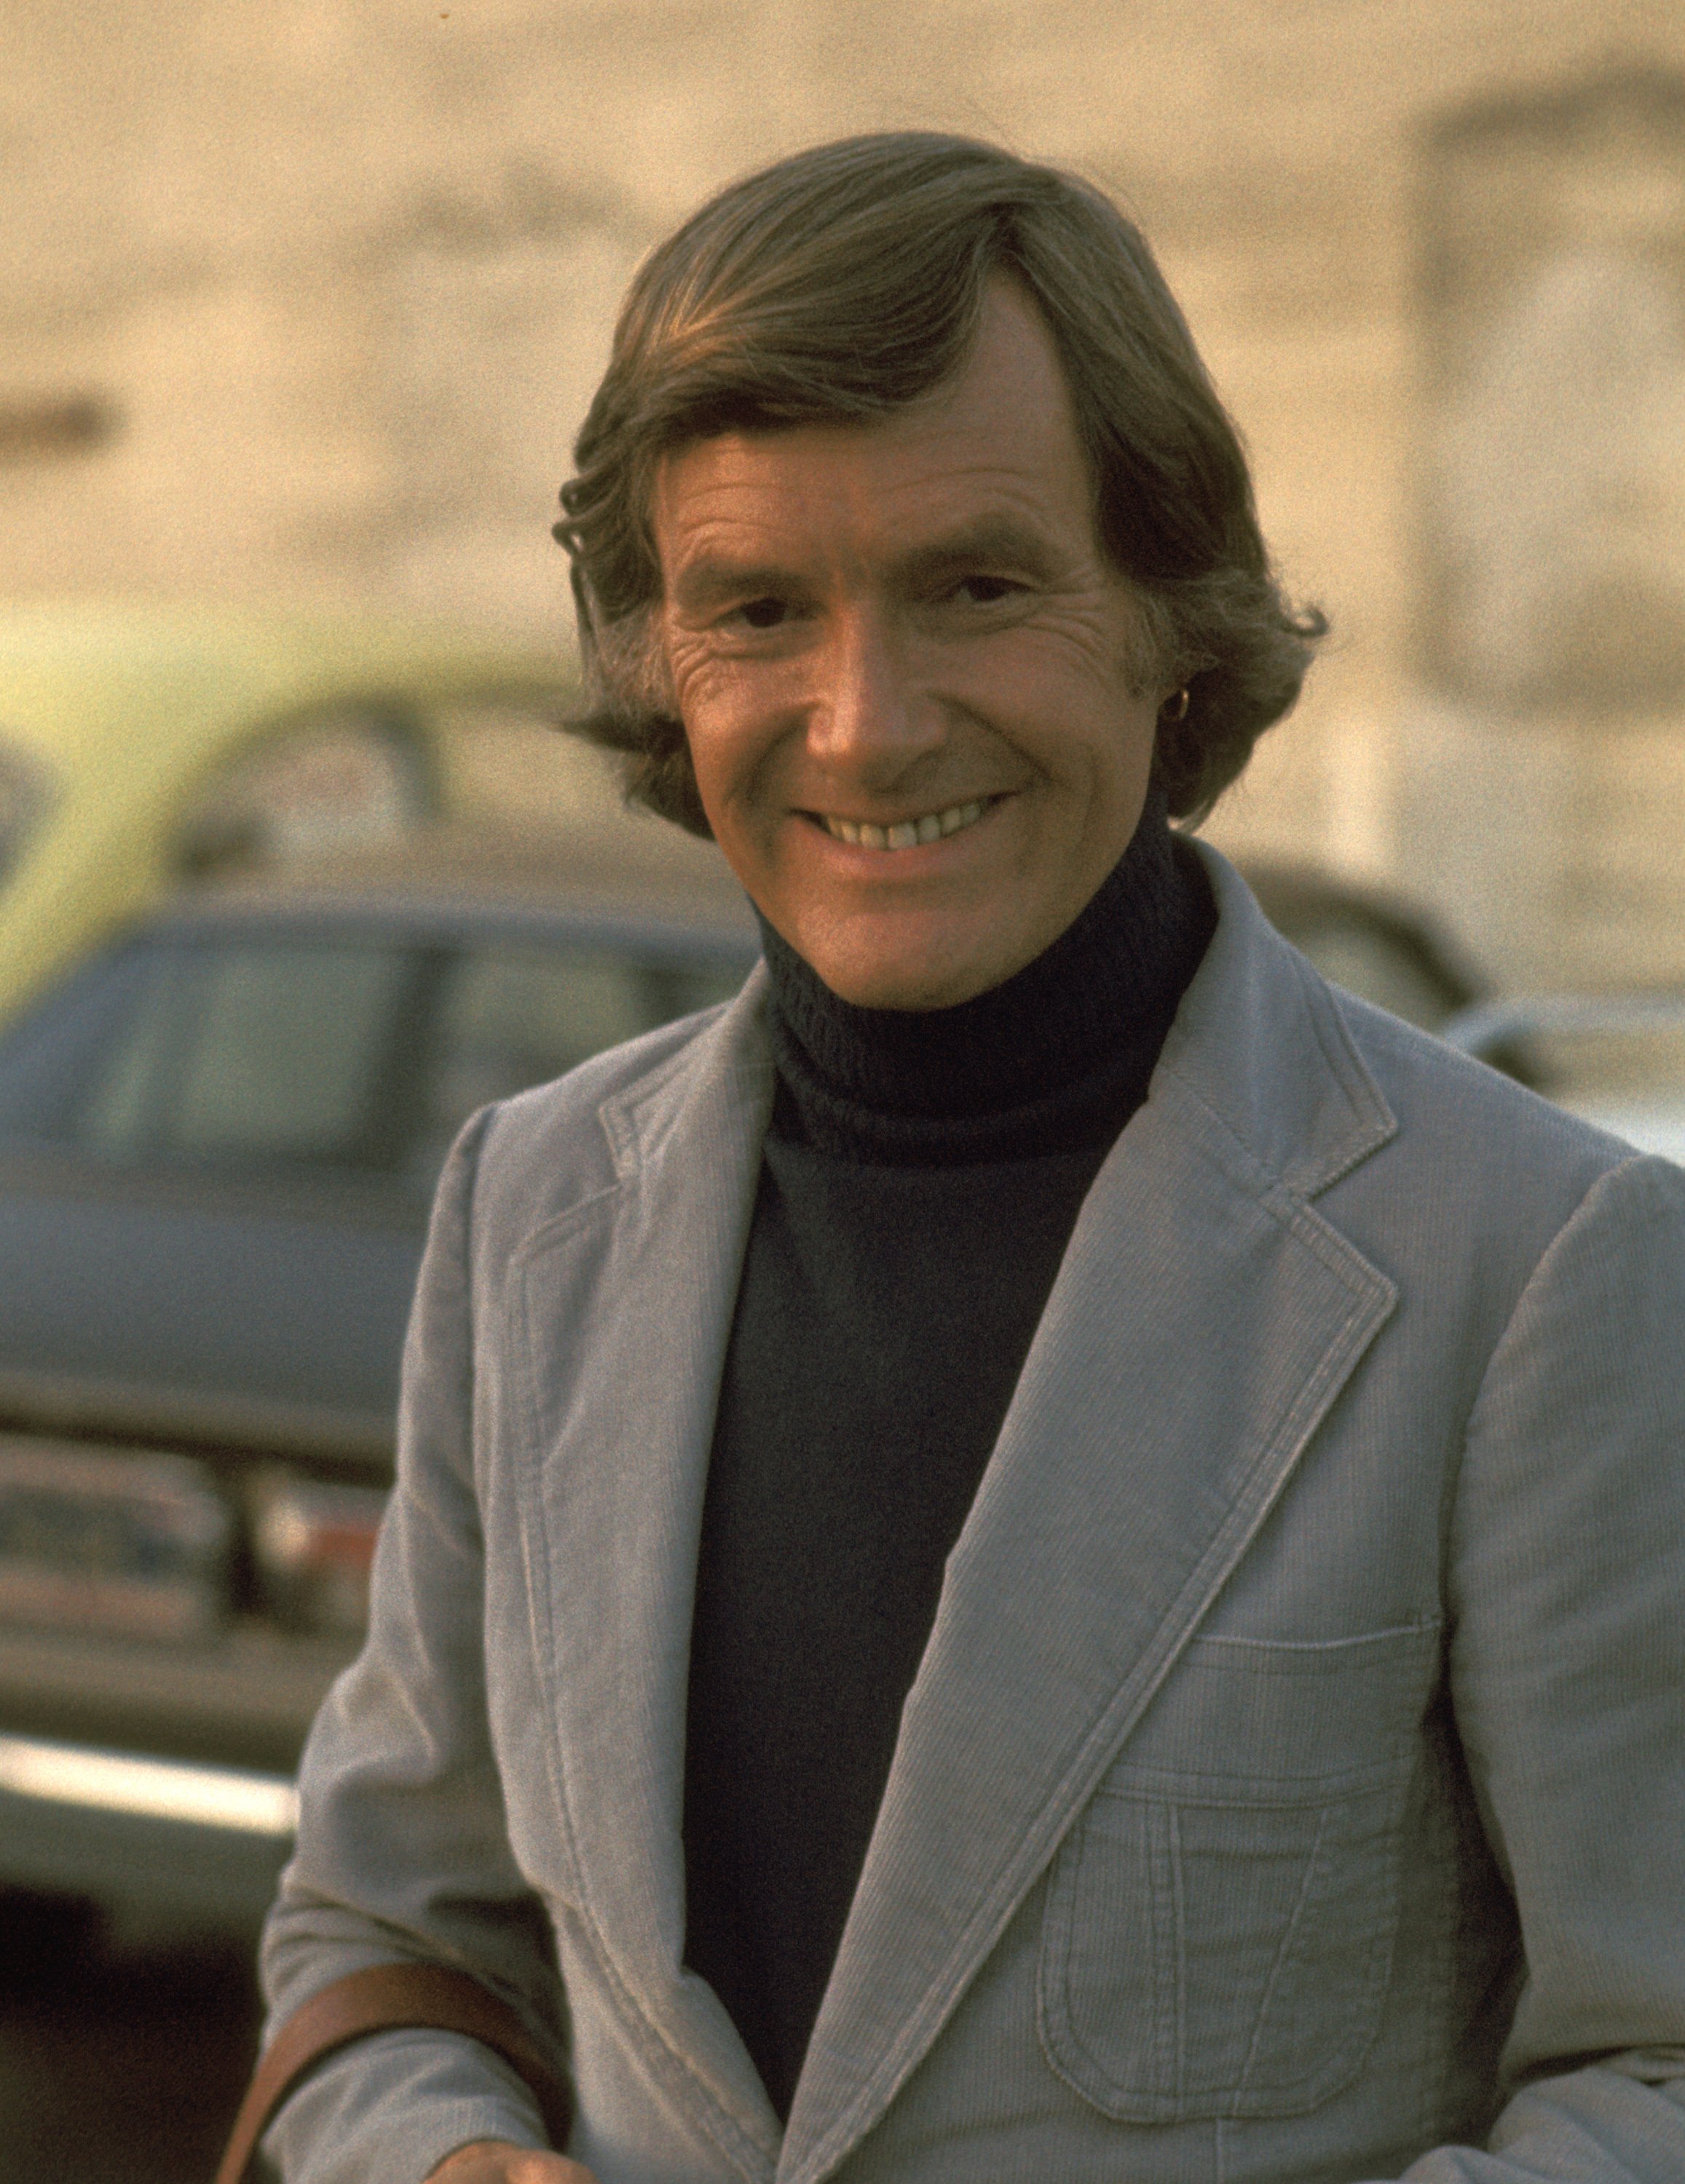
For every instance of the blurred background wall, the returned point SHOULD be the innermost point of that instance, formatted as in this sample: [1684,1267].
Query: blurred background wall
[304,299]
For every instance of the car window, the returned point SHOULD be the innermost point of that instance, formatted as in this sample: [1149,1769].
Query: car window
[270,1052]
[49,1058]
[506,765]
[262,1053]
[248,1052]
[340,779]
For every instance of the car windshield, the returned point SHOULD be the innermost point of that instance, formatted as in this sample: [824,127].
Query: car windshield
[266,1053]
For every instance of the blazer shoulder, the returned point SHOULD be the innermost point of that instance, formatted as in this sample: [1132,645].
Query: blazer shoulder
[1334,1094]
[1480,1122]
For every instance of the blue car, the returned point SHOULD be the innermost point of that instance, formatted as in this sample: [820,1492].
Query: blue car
[218,1142]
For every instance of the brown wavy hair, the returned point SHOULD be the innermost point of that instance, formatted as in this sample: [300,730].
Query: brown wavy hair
[846,282]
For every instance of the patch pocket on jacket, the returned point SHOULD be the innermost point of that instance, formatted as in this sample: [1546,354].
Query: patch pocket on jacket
[1221,1920]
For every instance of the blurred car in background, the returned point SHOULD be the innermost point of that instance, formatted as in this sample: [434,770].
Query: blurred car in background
[1376,945]
[144,745]
[218,1140]
[1615,1059]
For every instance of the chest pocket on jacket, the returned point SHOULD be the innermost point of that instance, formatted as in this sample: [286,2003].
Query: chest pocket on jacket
[1221,1920]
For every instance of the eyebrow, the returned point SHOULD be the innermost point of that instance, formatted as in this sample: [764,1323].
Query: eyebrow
[711,579]
[997,540]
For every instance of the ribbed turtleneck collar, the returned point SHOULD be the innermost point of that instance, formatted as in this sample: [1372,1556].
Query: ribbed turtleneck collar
[1055,1059]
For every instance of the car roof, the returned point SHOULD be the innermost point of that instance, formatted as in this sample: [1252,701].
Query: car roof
[1491,1023]
[82,680]
[449,879]
[1299,898]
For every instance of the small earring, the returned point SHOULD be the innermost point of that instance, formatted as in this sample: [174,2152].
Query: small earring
[1178,702]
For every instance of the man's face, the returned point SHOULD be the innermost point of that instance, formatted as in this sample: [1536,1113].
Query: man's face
[906,672]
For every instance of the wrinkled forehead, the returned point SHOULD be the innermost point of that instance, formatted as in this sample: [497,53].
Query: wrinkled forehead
[993,445]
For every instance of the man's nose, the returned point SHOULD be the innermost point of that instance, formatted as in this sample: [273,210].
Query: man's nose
[870,709]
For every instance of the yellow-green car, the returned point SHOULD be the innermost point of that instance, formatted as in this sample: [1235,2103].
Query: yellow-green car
[142,746]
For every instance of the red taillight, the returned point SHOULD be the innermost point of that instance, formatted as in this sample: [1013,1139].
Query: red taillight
[314,1545]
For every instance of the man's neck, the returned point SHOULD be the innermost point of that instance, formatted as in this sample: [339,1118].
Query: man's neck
[1054,1059]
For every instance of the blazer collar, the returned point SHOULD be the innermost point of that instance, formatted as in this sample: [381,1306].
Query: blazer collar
[1260,1044]
[1203,1320]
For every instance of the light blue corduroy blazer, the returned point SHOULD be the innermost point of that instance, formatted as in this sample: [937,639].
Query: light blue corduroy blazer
[1293,1786]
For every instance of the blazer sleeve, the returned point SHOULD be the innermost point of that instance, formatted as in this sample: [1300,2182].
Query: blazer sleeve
[1567,1589]
[402,1850]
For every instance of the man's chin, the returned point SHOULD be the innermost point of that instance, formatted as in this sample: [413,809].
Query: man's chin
[908,974]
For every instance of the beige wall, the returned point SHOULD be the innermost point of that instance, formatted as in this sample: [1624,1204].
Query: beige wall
[344,270]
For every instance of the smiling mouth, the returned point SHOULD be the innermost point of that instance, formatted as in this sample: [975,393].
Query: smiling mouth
[906,833]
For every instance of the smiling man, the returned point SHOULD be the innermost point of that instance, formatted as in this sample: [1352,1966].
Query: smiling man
[1044,1549]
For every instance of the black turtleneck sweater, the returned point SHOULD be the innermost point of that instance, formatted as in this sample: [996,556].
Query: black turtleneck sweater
[922,1176]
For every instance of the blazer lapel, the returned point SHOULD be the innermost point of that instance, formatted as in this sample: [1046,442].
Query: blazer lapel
[628,1301]
[1204,1319]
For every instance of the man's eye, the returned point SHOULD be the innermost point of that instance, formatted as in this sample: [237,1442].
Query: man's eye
[763,614]
[986,591]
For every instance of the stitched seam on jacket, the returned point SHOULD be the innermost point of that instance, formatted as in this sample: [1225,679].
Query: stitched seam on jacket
[1356,1079]
[1276,1197]
[1307,1881]
[1377,1125]
[623,1118]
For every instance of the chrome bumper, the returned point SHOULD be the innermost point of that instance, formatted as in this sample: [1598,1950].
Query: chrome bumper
[208,1841]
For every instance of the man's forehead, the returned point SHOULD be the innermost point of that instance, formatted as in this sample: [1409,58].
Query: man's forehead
[1003,424]
[716,531]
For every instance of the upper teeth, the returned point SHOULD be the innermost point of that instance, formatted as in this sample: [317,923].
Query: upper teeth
[909,832]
